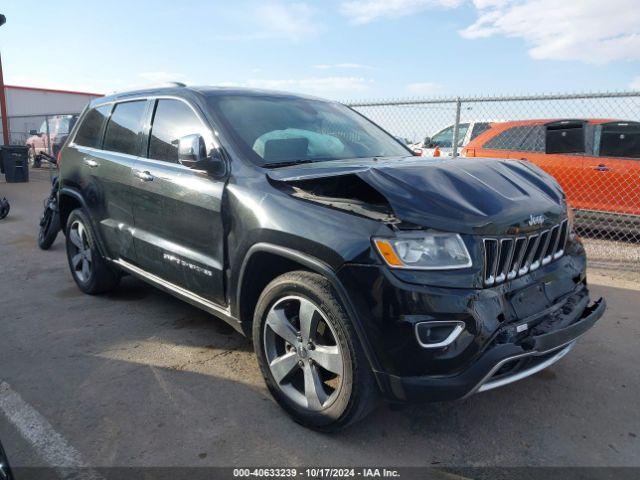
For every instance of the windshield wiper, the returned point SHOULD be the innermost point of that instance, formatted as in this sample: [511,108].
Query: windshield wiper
[285,164]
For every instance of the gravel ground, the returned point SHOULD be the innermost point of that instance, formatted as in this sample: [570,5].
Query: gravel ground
[615,258]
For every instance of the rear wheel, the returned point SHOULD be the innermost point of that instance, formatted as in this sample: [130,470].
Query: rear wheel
[4,208]
[309,355]
[49,228]
[91,272]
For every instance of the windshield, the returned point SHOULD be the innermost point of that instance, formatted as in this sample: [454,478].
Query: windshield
[275,130]
[58,125]
[61,125]
[444,138]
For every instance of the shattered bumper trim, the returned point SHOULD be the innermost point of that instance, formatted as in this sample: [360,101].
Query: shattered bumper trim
[552,346]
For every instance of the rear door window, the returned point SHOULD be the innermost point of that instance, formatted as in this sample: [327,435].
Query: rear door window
[125,127]
[511,139]
[534,140]
[565,136]
[90,130]
[172,120]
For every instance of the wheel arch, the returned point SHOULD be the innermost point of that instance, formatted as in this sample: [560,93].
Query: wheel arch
[249,290]
[70,199]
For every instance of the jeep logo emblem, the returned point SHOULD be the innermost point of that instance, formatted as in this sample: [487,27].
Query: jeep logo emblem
[536,219]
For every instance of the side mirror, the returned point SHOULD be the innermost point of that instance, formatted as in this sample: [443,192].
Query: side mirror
[191,150]
[33,132]
[192,153]
[428,143]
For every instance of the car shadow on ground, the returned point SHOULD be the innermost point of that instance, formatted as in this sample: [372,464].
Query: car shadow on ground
[193,328]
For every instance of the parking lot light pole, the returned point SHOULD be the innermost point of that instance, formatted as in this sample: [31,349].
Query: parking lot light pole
[3,98]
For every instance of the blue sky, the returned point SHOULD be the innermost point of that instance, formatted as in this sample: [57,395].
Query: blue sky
[342,49]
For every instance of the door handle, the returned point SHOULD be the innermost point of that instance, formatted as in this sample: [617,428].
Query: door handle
[601,168]
[90,163]
[144,176]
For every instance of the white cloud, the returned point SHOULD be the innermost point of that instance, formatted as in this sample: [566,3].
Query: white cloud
[275,19]
[352,66]
[592,31]
[423,88]
[366,11]
[293,21]
[635,84]
[329,86]
[489,3]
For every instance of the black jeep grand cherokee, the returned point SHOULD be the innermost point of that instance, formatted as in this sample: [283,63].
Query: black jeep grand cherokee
[357,268]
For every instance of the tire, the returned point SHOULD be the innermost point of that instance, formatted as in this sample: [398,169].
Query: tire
[4,208]
[295,357]
[91,272]
[49,228]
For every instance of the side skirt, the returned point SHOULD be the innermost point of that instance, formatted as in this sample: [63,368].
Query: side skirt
[181,293]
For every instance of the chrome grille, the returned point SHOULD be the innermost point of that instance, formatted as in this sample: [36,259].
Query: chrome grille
[510,257]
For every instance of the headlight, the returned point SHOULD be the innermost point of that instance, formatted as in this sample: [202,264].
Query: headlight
[427,251]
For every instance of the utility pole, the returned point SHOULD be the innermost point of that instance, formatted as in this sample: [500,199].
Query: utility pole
[3,98]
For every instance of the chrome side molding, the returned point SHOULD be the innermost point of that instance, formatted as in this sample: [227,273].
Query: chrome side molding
[182,293]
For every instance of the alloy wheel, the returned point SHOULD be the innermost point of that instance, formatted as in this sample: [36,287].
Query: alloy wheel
[303,353]
[81,257]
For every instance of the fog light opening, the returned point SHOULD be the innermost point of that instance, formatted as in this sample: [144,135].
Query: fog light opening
[438,334]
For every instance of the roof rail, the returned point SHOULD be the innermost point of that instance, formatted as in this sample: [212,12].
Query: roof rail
[150,86]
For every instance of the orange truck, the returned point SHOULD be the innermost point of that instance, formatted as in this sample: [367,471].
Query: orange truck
[596,161]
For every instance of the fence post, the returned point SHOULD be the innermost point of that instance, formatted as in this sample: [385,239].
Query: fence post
[48,142]
[456,128]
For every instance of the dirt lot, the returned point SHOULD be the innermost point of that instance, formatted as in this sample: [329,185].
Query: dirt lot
[137,378]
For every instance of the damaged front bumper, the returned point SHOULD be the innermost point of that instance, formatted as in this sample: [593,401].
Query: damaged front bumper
[510,331]
[501,364]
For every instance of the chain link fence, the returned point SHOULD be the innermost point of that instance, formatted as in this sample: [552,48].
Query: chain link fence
[589,142]
[43,133]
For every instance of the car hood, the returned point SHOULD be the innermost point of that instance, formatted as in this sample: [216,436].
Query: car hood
[464,195]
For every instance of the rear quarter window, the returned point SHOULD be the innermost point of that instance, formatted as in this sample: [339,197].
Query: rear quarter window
[478,128]
[90,129]
[511,139]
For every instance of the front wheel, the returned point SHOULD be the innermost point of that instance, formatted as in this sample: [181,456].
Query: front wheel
[49,228]
[310,357]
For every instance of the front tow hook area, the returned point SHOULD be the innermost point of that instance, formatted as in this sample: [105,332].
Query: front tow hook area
[591,314]
[547,349]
